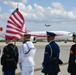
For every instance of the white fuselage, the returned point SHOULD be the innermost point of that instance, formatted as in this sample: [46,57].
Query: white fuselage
[61,35]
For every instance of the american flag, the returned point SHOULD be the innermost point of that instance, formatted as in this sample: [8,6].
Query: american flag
[15,28]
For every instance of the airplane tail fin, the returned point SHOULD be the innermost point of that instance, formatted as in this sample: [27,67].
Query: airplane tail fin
[26,31]
[1,29]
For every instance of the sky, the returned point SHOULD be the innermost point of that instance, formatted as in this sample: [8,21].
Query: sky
[60,14]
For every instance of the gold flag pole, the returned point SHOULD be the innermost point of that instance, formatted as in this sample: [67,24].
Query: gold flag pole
[17,5]
[14,42]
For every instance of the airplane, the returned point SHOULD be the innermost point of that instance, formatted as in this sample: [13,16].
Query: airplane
[47,25]
[36,35]
[61,35]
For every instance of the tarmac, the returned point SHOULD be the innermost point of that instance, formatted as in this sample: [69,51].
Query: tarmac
[40,46]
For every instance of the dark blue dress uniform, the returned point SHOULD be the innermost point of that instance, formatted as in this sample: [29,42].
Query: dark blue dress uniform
[50,63]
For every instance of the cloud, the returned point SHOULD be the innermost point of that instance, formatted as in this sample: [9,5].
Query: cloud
[38,14]
[0,9]
[19,1]
[15,4]
[23,1]
[3,20]
[57,5]
[54,13]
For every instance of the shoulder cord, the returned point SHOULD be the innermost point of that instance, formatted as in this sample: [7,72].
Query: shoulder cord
[51,51]
[14,48]
[28,49]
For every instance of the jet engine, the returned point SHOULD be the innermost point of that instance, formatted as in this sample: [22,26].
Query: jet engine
[33,39]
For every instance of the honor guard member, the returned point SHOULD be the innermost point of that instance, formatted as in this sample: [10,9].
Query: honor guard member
[26,56]
[51,55]
[9,58]
[72,57]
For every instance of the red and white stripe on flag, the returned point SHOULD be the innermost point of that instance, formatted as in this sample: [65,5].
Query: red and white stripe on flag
[15,28]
